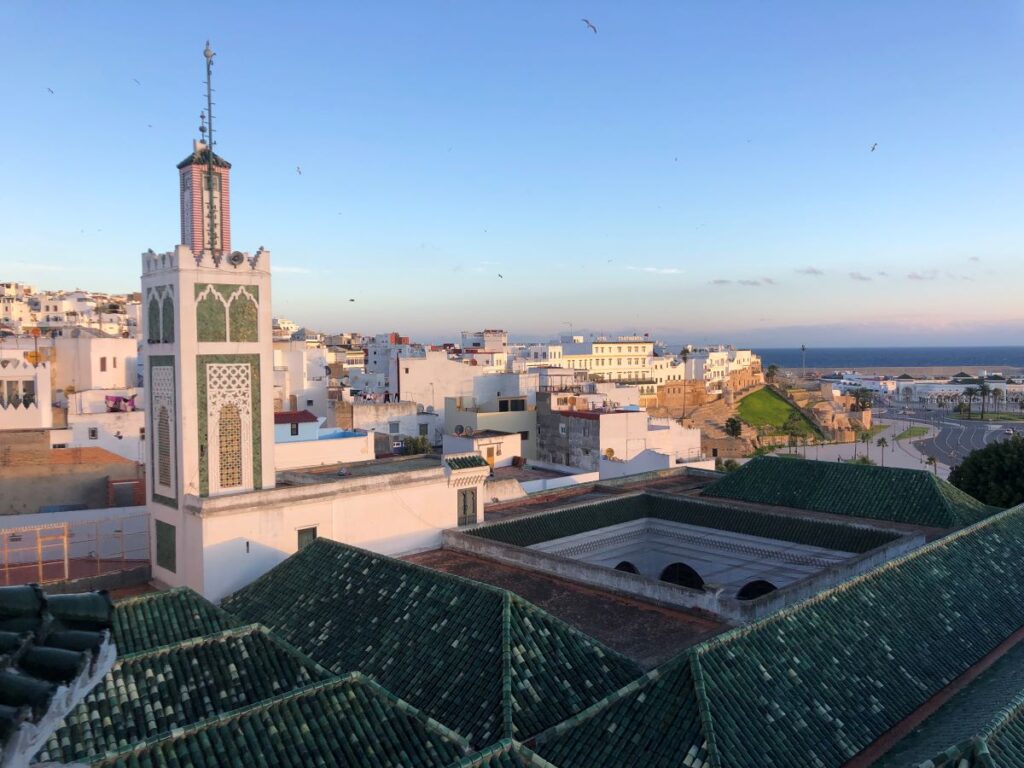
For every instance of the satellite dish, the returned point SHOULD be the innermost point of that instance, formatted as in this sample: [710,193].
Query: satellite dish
[236,258]
[459,429]
[469,431]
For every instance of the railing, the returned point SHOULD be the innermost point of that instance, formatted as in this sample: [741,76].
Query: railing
[73,549]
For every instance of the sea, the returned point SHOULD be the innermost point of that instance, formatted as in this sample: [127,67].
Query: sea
[858,358]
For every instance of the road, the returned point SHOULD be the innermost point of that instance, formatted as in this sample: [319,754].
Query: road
[955,438]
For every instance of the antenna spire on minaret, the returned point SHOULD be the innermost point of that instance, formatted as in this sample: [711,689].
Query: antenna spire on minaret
[208,125]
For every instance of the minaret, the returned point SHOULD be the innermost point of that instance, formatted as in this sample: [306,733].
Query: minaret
[205,185]
[209,368]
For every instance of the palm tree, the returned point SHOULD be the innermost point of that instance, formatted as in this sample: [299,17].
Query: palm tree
[997,398]
[883,444]
[970,393]
[984,390]
[931,462]
[866,439]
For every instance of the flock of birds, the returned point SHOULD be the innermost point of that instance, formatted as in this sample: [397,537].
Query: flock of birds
[589,25]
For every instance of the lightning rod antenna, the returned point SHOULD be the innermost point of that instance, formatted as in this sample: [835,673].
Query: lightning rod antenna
[209,54]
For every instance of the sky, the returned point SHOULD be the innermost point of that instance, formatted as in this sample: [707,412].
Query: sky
[701,171]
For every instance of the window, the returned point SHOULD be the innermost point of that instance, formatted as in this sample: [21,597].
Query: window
[467,506]
[94,433]
[230,441]
[295,430]
[519,404]
[309,403]
[393,427]
[423,430]
[561,429]
[166,546]
[163,447]
[525,435]
[306,536]
[142,433]
[115,361]
[103,364]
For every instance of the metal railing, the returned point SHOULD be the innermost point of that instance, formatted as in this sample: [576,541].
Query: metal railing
[72,550]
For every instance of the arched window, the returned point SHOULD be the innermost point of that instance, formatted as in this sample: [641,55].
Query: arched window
[683,575]
[755,589]
[230,439]
[153,325]
[244,322]
[163,447]
[168,320]
[627,567]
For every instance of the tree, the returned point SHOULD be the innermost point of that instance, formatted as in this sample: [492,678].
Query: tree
[933,463]
[414,445]
[726,465]
[997,397]
[863,460]
[883,444]
[993,474]
[865,437]
[733,427]
[863,398]
[984,390]
[969,394]
[771,373]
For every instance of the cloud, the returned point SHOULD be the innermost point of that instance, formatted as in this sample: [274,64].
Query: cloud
[721,282]
[657,270]
[810,271]
[768,281]
[883,274]
[749,282]
[974,258]
[859,276]
[928,274]
[34,266]
[291,270]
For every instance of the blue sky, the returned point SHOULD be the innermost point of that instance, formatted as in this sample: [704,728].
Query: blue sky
[698,170]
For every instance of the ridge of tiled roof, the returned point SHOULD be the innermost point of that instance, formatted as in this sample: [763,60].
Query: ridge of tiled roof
[816,683]
[556,524]
[506,753]
[466,462]
[911,496]
[348,720]
[53,650]
[999,745]
[202,157]
[191,681]
[157,619]
[474,657]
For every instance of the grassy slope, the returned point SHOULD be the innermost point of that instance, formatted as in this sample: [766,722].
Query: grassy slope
[766,408]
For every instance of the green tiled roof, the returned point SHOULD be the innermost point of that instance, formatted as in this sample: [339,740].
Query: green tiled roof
[466,462]
[478,659]
[53,650]
[162,618]
[504,754]
[567,522]
[816,683]
[151,693]
[965,715]
[999,745]
[910,496]
[349,721]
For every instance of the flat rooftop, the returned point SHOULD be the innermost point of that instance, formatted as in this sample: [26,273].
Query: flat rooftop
[649,634]
[331,473]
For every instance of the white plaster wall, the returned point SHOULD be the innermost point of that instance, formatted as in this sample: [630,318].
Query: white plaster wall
[428,380]
[78,363]
[646,461]
[313,453]
[131,445]
[390,520]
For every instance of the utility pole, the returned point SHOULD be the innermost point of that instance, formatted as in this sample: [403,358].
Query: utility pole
[803,362]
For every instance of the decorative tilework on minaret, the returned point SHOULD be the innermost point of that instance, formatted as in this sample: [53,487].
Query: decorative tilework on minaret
[195,208]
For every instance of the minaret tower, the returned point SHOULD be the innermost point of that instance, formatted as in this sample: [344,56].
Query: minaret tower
[205,185]
[209,367]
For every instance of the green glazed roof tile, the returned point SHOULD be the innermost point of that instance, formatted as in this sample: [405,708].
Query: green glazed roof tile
[475,658]
[567,522]
[162,618]
[909,496]
[466,462]
[151,693]
[503,754]
[816,683]
[347,721]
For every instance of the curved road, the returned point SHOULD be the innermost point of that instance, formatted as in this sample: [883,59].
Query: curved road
[955,438]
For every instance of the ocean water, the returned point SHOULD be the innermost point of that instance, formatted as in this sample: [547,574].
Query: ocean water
[857,358]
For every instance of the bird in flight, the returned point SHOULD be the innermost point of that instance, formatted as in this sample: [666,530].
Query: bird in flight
[501,276]
[590,25]
[50,90]
[874,146]
[298,169]
[136,81]
[351,299]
